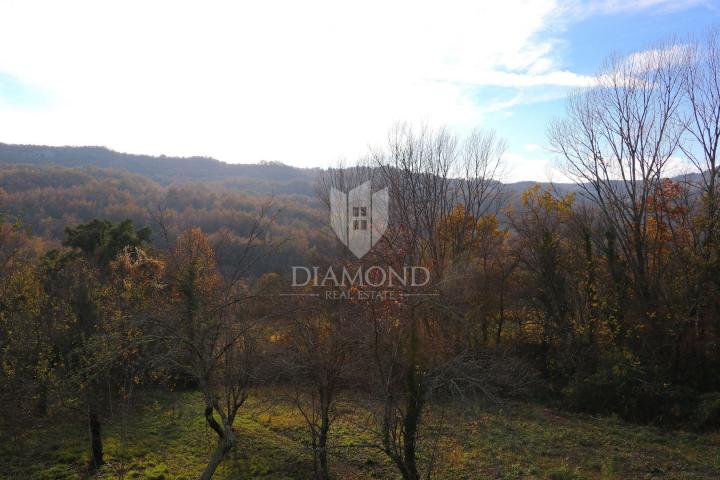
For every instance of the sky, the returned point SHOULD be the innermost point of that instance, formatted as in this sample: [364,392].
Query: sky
[311,83]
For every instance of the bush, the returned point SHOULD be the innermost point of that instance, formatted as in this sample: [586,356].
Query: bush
[620,385]
[616,386]
[707,415]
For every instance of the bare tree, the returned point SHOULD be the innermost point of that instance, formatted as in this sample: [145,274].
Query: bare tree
[616,140]
[407,342]
[417,168]
[430,174]
[700,199]
[702,94]
[480,171]
[319,346]
[702,140]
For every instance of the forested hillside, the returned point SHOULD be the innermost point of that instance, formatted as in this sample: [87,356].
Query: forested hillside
[261,178]
[47,199]
[49,188]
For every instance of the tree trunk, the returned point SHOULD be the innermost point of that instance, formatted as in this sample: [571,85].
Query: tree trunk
[96,447]
[41,404]
[414,402]
[412,419]
[501,318]
[224,445]
[226,440]
[323,471]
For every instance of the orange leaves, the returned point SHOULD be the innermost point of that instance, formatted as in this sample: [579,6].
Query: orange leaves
[534,198]
[668,224]
[192,246]
[195,271]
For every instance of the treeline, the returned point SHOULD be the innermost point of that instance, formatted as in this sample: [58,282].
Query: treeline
[264,178]
[606,300]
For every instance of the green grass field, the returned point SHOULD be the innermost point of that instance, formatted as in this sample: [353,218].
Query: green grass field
[168,439]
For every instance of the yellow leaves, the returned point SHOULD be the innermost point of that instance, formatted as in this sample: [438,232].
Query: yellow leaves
[136,260]
[488,223]
[528,194]
[193,246]
[458,224]
[195,272]
[9,369]
[669,225]
[534,198]
[461,230]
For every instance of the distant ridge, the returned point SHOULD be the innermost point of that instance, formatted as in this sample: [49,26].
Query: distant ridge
[257,178]
[261,178]
[266,177]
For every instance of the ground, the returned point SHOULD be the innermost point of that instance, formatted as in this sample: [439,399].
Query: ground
[168,439]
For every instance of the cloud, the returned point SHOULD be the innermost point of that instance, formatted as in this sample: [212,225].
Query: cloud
[562,78]
[643,61]
[612,7]
[524,167]
[677,166]
[300,82]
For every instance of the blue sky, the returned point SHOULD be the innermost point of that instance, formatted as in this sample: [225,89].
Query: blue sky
[584,45]
[310,83]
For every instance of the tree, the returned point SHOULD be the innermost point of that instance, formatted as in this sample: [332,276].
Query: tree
[407,341]
[701,75]
[86,271]
[209,324]
[26,359]
[542,230]
[319,352]
[701,95]
[616,140]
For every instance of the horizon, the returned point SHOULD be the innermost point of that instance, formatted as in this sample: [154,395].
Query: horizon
[250,84]
[502,181]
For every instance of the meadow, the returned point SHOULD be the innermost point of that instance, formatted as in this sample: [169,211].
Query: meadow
[168,439]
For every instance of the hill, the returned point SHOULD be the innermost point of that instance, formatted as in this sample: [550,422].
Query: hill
[264,178]
[270,177]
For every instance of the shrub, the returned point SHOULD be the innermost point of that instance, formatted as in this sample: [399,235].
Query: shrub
[707,415]
[621,385]
[616,386]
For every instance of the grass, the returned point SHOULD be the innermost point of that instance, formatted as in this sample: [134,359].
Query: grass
[168,439]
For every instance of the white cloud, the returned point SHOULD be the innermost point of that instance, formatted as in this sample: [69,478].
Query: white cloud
[608,7]
[524,167]
[510,79]
[300,82]
[676,166]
